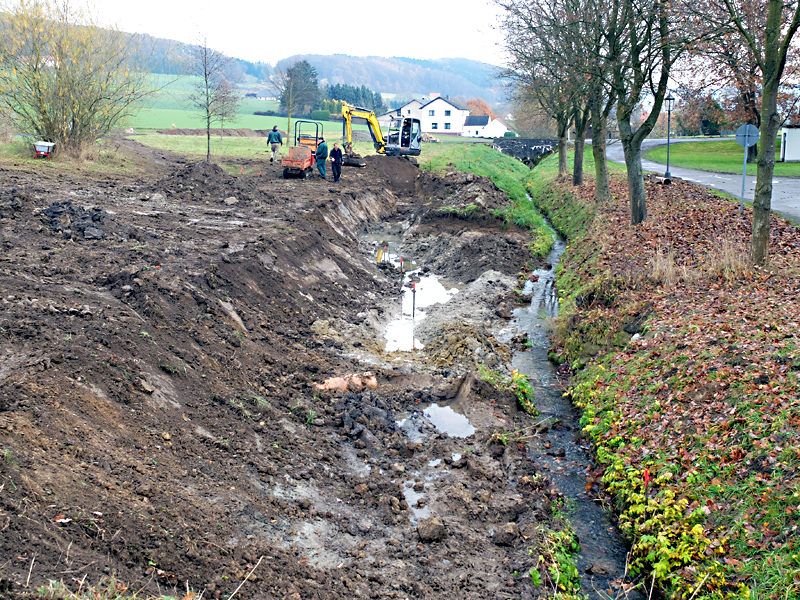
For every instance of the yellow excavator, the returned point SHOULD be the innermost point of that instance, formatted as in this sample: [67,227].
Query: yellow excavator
[404,139]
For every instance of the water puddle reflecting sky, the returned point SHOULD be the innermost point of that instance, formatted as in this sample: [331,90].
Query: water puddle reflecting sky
[429,291]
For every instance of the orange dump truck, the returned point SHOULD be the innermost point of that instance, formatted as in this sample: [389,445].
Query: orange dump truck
[300,162]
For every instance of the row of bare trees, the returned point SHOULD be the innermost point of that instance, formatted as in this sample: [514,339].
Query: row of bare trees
[582,60]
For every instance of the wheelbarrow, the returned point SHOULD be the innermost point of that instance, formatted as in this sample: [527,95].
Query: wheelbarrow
[44,149]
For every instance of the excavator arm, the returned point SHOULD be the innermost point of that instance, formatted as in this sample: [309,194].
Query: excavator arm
[348,112]
[405,135]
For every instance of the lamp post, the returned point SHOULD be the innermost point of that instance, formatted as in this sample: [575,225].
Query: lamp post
[669,100]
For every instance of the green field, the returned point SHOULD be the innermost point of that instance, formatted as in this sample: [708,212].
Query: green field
[170,106]
[228,149]
[721,157]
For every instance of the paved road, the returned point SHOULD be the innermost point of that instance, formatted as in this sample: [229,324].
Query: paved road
[785,190]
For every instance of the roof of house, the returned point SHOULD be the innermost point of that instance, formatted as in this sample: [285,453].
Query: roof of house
[453,104]
[407,103]
[476,121]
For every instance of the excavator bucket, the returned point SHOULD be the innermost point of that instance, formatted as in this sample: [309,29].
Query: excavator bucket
[351,159]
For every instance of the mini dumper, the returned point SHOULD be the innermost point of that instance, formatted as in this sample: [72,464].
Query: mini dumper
[300,162]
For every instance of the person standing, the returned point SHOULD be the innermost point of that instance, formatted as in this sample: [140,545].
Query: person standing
[336,162]
[321,155]
[274,138]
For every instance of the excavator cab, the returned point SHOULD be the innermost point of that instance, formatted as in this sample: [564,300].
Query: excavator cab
[405,137]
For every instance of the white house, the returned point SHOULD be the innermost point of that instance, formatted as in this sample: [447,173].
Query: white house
[484,128]
[437,116]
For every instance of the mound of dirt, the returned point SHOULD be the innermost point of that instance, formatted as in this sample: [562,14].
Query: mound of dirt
[400,173]
[461,348]
[160,414]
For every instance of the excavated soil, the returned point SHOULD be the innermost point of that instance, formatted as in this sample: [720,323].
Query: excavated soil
[167,409]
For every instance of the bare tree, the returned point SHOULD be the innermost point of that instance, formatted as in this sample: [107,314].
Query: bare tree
[297,87]
[213,95]
[539,71]
[766,28]
[563,42]
[644,39]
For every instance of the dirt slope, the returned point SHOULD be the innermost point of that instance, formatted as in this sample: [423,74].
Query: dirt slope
[160,419]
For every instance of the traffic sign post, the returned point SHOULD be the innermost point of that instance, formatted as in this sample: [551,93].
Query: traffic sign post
[746,136]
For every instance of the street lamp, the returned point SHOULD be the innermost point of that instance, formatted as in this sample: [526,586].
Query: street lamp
[669,100]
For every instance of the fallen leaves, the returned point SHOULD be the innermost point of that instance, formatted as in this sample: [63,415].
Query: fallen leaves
[709,395]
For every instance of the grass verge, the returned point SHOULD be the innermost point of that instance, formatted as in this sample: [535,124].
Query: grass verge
[725,156]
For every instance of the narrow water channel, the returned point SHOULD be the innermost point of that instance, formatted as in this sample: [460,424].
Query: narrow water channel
[562,451]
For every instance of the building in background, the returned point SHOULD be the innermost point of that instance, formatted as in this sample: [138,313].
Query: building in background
[438,115]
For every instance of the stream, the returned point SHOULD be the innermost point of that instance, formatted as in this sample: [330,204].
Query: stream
[562,452]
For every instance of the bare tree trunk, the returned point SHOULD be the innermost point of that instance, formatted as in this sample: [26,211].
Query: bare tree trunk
[602,189]
[632,145]
[208,136]
[752,153]
[770,123]
[581,125]
[563,166]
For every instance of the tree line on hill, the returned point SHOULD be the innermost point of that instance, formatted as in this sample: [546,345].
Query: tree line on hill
[408,77]
[299,91]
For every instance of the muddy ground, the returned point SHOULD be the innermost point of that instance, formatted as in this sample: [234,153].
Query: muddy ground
[165,341]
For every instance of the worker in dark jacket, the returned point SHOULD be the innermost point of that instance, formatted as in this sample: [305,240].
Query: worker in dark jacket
[336,162]
[276,141]
[321,156]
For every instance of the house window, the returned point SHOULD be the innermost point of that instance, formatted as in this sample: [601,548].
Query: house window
[431,113]
[476,132]
[398,112]
[447,114]
[408,112]
[447,125]
[434,126]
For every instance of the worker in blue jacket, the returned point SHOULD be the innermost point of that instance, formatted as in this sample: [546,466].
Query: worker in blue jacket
[321,156]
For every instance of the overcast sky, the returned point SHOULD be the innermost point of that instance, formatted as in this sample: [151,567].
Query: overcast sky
[275,29]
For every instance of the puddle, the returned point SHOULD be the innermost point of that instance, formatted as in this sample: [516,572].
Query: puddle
[419,291]
[448,421]
[420,424]
[412,497]
[417,295]
[563,454]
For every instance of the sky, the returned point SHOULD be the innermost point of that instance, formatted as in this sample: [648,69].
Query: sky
[276,29]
